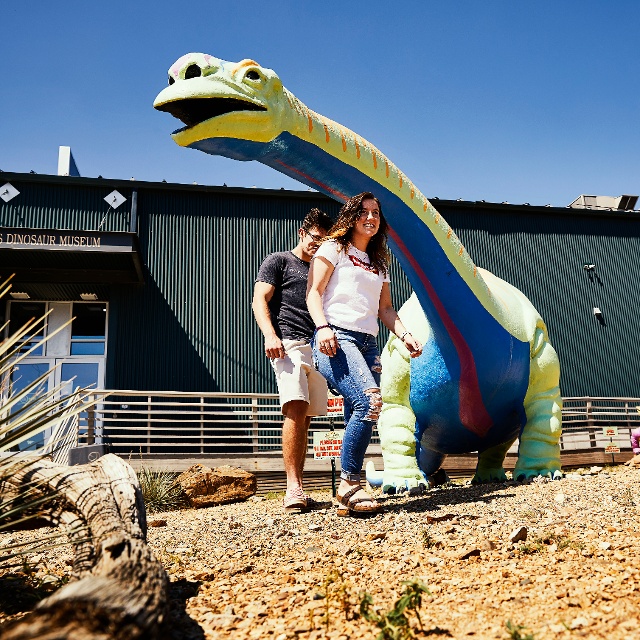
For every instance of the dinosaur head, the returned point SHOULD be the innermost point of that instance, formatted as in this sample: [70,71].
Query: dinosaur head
[219,99]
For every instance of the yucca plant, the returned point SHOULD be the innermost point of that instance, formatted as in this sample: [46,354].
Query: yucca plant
[160,491]
[25,414]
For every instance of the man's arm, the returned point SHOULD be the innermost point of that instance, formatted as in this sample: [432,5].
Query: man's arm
[262,293]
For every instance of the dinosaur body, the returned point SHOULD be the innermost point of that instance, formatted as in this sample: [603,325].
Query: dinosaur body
[488,373]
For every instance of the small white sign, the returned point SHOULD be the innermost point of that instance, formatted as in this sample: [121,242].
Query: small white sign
[335,405]
[327,444]
[8,192]
[115,199]
[609,432]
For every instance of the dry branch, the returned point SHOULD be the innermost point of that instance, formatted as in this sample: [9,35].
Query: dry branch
[119,589]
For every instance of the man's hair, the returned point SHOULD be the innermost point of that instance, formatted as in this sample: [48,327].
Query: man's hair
[343,228]
[317,218]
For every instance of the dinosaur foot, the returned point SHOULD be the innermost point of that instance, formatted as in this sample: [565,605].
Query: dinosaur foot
[522,475]
[396,482]
[486,476]
[438,478]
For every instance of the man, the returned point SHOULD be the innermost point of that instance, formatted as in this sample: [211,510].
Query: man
[280,310]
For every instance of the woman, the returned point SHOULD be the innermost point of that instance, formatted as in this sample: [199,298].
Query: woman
[348,291]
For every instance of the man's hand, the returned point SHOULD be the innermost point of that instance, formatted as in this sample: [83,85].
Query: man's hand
[273,348]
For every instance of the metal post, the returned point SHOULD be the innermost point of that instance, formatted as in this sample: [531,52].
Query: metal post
[333,477]
[592,433]
[201,425]
[91,423]
[133,220]
[255,427]
[148,424]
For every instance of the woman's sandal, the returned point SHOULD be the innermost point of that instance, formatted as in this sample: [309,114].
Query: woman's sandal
[350,505]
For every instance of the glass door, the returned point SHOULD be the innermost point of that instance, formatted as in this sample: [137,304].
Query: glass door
[22,375]
[83,373]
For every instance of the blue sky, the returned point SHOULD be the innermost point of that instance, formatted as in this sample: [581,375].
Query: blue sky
[495,100]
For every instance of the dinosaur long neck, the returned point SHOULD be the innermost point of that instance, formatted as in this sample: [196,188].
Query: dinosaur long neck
[333,159]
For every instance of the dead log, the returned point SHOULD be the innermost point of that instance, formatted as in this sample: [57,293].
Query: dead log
[118,589]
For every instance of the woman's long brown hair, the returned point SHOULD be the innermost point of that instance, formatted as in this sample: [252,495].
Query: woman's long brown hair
[342,231]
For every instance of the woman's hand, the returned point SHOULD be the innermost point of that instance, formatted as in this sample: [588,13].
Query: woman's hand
[327,341]
[415,348]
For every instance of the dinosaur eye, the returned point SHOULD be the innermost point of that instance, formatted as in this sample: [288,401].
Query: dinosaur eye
[171,80]
[253,75]
[193,71]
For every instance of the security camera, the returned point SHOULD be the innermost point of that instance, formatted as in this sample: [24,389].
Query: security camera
[589,267]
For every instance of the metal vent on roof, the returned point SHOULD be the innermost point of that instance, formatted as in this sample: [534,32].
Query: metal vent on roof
[620,203]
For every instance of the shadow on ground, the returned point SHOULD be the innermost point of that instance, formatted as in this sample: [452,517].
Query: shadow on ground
[179,625]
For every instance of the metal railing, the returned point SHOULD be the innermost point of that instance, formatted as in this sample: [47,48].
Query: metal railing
[189,424]
[584,418]
[182,424]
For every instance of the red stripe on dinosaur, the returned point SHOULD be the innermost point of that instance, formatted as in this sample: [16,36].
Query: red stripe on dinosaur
[473,414]
[322,185]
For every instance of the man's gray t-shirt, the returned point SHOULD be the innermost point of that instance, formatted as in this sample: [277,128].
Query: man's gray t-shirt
[288,307]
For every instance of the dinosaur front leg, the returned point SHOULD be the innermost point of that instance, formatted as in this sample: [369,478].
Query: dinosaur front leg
[539,452]
[397,421]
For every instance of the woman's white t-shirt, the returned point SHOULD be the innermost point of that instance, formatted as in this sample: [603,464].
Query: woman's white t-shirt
[352,297]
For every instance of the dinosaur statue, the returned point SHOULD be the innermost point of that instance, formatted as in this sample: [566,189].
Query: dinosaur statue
[488,373]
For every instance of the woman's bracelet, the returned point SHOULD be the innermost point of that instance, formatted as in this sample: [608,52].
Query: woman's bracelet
[404,335]
[323,326]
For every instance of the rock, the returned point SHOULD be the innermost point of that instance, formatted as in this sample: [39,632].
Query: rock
[595,470]
[446,516]
[158,523]
[204,576]
[519,534]
[559,498]
[634,462]
[468,553]
[180,550]
[573,476]
[205,487]
[315,527]
[269,522]
[376,535]
[604,546]
[579,623]
[487,545]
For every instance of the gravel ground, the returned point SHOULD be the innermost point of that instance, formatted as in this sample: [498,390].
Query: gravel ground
[248,570]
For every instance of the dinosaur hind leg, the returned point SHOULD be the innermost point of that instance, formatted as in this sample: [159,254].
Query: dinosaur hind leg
[490,464]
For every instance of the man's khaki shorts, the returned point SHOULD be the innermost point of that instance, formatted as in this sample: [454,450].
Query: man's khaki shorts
[298,379]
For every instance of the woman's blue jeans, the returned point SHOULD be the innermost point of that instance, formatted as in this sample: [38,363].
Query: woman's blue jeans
[354,372]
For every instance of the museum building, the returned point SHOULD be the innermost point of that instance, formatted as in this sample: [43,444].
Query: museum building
[158,279]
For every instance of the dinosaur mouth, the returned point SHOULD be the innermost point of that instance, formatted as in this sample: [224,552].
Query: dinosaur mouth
[193,111]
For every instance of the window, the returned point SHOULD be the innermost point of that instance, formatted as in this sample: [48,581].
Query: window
[88,329]
[23,312]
